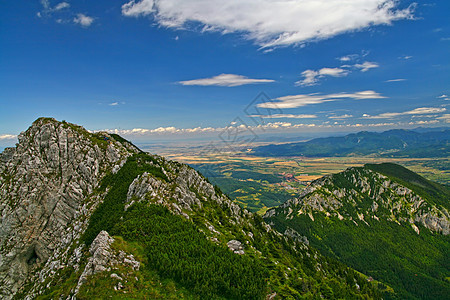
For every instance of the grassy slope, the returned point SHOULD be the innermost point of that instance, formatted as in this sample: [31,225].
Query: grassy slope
[176,251]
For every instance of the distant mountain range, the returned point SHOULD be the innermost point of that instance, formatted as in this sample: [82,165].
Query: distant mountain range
[393,143]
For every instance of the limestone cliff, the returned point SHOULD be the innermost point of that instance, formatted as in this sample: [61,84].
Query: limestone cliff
[44,184]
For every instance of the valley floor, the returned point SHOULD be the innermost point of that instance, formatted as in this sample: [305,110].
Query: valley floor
[259,183]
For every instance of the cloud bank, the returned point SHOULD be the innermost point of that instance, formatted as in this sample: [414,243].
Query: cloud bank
[271,23]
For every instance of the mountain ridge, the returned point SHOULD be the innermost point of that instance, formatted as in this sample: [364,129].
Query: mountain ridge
[376,225]
[391,143]
[87,214]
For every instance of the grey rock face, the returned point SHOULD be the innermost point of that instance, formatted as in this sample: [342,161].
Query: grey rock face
[236,247]
[178,195]
[104,258]
[296,236]
[43,183]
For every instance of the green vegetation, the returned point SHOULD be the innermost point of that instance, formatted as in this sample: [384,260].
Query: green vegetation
[415,265]
[111,209]
[177,250]
[179,260]
[122,140]
[247,184]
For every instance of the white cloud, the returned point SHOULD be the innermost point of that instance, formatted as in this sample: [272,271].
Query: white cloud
[416,111]
[406,57]
[62,5]
[83,20]
[445,118]
[396,80]
[340,117]
[288,116]
[348,58]
[225,80]
[366,66]
[311,77]
[444,96]
[272,23]
[7,137]
[294,101]
[114,104]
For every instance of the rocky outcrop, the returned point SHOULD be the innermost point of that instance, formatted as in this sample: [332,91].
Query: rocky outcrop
[44,184]
[345,194]
[236,246]
[104,258]
[183,195]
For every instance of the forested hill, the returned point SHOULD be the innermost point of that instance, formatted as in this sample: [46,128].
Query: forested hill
[90,216]
[382,220]
[392,143]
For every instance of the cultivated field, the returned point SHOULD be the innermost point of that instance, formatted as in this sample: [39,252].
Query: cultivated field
[259,183]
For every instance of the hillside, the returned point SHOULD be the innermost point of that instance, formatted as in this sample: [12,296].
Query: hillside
[392,143]
[382,220]
[89,215]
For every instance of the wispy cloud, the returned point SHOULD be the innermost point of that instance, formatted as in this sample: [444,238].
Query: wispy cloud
[444,96]
[417,111]
[405,57]
[7,137]
[396,80]
[272,23]
[114,104]
[228,80]
[340,117]
[308,99]
[83,20]
[366,66]
[311,77]
[62,5]
[47,10]
[287,116]
[445,118]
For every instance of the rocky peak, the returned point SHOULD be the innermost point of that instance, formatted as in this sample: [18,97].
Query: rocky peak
[43,183]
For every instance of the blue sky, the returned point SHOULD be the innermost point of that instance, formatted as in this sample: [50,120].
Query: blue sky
[178,68]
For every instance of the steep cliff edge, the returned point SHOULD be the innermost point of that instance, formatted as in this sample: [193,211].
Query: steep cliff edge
[44,182]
